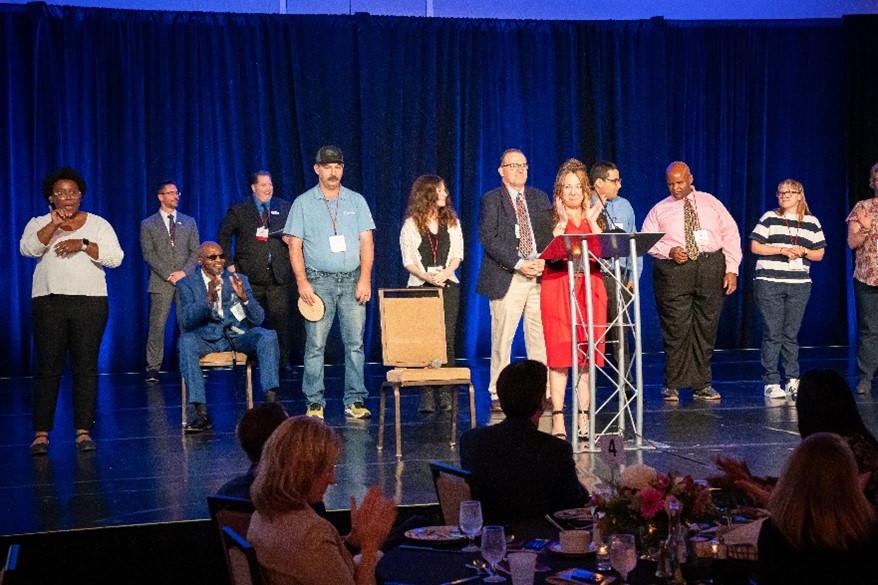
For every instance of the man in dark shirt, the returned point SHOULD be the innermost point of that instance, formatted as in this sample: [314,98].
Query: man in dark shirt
[517,470]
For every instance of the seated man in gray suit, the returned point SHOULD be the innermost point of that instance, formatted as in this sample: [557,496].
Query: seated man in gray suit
[219,313]
[169,241]
[516,470]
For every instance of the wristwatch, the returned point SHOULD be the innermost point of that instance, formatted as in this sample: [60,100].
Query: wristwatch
[85,244]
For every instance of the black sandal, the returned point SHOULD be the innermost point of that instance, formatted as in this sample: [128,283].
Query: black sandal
[86,444]
[38,446]
[562,436]
[582,430]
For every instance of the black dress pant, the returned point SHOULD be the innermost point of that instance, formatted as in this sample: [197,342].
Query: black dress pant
[65,324]
[275,299]
[689,298]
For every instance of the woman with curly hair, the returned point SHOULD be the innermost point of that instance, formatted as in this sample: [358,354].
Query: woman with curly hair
[574,213]
[431,242]
[69,308]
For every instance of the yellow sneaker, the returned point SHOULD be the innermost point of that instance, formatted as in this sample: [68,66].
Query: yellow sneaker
[315,411]
[357,410]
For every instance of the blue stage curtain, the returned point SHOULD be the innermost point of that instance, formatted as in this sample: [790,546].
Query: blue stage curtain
[130,97]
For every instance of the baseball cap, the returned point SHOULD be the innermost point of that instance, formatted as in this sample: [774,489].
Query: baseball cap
[329,155]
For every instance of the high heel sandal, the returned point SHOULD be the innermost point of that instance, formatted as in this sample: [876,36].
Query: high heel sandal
[40,446]
[86,443]
[582,431]
[562,435]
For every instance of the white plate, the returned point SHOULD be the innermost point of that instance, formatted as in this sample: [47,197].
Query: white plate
[436,534]
[575,515]
[555,547]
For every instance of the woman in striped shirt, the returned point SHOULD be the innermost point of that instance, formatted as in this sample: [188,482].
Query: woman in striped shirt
[787,240]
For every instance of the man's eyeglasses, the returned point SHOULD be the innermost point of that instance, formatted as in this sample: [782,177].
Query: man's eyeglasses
[177,193]
[617,180]
[781,194]
[516,166]
[213,257]
[67,194]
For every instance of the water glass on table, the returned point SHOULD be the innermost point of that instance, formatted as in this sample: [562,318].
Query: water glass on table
[493,550]
[470,522]
[623,555]
[522,566]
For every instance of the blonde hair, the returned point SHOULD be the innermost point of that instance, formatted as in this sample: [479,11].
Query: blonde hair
[802,206]
[299,451]
[818,503]
[571,165]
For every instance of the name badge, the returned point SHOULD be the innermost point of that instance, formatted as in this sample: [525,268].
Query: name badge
[262,234]
[797,264]
[702,237]
[434,269]
[337,244]
[238,311]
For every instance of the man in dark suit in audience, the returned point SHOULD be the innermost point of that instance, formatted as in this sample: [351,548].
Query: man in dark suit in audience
[169,241]
[263,257]
[515,225]
[218,312]
[517,470]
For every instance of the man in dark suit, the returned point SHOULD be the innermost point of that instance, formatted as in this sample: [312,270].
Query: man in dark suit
[517,470]
[256,224]
[220,313]
[515,225]
[169,241]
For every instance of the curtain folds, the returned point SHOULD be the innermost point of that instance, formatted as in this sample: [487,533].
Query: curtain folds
[131,97]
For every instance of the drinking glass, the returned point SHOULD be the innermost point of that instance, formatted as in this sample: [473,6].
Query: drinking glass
[493,550]
[623,555]
[470,522]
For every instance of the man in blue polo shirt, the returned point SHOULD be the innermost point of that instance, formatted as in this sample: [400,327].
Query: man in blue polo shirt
[329,232]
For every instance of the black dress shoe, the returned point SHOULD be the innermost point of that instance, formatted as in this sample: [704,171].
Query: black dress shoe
[152,376]
[270,396]
[199,424]
[84,442]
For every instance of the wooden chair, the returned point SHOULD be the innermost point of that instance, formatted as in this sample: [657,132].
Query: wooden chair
[225,359]
[413,343]
[228,512]
[244,567]
[8,572]
[452,487]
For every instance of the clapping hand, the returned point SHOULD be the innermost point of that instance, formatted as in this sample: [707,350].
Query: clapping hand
[372,520]
[238,286]
[212,290]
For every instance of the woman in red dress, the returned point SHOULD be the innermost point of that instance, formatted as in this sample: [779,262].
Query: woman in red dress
[573,214]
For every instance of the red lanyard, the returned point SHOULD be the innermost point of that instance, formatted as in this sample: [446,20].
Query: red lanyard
[434,246]
[793,240]
[332,218]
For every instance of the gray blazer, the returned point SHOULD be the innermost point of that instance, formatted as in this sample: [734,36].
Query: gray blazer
[162,257]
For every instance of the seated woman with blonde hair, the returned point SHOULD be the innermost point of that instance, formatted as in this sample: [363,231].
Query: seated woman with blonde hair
[822,527]
[294,545]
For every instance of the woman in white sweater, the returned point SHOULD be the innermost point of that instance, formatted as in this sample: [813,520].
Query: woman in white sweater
[431,242]
[69,306]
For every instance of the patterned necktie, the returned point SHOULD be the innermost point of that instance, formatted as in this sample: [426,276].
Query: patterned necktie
[690,222]
[172,229]
[263,219]
[525,242]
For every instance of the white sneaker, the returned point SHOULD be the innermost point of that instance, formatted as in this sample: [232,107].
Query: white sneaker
[792,387]
[774,391]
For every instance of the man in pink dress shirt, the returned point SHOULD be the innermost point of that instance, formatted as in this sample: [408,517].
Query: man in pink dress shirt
[692,273]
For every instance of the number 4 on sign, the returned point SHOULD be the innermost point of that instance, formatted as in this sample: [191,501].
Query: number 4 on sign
[612,449]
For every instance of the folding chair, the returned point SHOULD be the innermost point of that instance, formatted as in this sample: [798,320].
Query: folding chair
[244,568]
[452,488]
[224,359]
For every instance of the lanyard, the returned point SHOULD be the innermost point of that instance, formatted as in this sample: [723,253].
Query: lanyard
[332,218]
[434,246]
[793,240]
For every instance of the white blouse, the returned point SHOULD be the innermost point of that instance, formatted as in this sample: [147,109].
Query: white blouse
[410,241]
[79,274]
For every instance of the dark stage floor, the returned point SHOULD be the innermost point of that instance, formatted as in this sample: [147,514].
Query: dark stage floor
[146,471]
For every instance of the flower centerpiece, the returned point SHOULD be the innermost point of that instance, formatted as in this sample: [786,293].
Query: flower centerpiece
[637,502]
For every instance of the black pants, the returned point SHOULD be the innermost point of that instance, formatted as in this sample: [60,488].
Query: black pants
[689,298]
[275,299]
[65,324]
[451,308]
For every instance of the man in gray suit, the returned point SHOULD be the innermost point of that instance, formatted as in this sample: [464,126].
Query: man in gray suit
[170,242]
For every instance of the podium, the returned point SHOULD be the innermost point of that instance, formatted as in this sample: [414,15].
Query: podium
[606,246]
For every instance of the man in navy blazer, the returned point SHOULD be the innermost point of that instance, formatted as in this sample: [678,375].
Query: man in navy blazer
[219,313]
[169,241]
[516,470]
[263,257]
[515,225]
